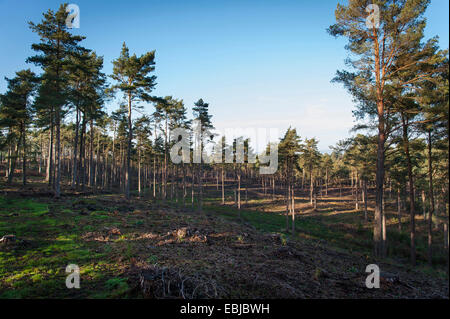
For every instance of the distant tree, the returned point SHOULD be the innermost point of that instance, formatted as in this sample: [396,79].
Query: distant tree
[433,97]
[143,131]
[87,86]
[311,158]
[16,115]
[361,155]
[289,151]
[201,113]
[327,164]
[133,79]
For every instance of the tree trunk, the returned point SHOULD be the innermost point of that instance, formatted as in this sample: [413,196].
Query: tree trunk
[273,187]
[223,187]
[91,153]
[411,191]
[49,174]
[113,160]
[184,185]
[399,210]
[356,192]
[128,163]
[13,161]
[380,170]
[311,186]
[430,214]
[139,170]
[200,185]
[192,184]
[24,156]
[58,154]
[365,200]
[239,188]
[75,147]
[293,211]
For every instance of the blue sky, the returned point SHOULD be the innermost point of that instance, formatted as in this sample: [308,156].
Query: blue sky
[258,63]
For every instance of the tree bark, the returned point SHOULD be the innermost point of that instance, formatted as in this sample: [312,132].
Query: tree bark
[24,156]
[130,139]
[411,191]
[430,214]
[223,187]
[75,147]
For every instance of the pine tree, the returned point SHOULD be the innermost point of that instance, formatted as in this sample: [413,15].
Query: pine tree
[56,47]
[289,151]
[133,79]
[311,159]
[201,113]
[383,52]
[16,114]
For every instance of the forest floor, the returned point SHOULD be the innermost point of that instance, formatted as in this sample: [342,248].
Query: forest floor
[142,248]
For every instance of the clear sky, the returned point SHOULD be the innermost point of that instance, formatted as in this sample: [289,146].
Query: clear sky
[258,63]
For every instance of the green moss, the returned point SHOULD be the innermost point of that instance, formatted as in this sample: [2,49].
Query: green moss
[38,269]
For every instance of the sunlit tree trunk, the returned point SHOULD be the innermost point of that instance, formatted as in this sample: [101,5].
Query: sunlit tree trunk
[223,187]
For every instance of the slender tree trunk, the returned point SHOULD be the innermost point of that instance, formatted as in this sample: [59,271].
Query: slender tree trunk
[446,236]
[128,163]
[430,214]
[184,185]
[273,187]
[58,154]
[14,161]
[139,170]
[383,232]
[311,186]
[154,177]
[288,192]
[424,201]
[91,153]
[223,187]
[24,156]
[49,174]
[113,159]
[192,184]
[365,200]
[411,191]
[380,170]
[239,188]
[356,192]
[165,162]
[293,210]
[200,184]
[303,179]
[399,210]
[97,175]
[75,147]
